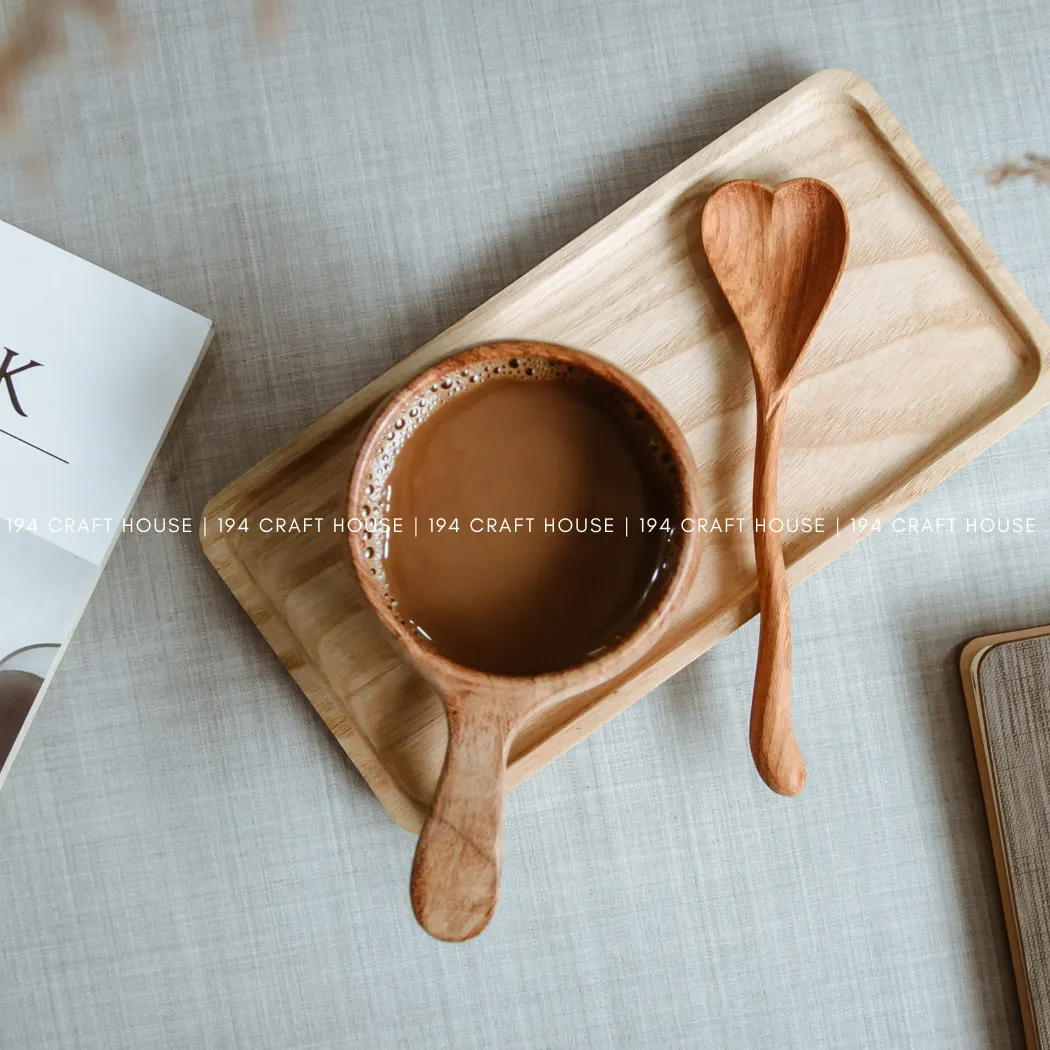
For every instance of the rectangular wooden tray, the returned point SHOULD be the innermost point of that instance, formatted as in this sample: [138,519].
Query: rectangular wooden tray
[929,353]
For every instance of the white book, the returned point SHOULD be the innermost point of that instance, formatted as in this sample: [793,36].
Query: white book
[92,372]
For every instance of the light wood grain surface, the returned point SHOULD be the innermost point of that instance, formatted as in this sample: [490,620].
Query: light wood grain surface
[928,354]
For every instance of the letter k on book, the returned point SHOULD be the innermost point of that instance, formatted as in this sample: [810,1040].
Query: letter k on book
[7,376]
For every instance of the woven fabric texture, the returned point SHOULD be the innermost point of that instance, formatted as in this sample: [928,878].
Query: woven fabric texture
[188,859]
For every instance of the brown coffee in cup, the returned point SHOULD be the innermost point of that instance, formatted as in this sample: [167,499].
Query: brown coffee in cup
[533,513]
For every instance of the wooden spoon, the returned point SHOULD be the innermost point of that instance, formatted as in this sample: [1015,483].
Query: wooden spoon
[456,872]
[778,255]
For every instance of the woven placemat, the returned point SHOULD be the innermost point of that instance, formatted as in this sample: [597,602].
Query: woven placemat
[1009,690]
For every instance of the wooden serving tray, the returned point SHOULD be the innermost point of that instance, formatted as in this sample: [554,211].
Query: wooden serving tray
[929,352]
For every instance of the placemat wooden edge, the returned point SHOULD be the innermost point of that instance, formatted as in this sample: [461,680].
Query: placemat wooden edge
[969,665]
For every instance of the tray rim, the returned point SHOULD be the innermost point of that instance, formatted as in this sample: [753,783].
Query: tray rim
[979,259]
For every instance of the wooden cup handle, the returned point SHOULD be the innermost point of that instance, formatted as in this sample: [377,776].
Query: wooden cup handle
[773,746]
[456,870]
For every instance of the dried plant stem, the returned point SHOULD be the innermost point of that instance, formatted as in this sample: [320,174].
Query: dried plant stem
[38,35]
[1033,165]
[268,20]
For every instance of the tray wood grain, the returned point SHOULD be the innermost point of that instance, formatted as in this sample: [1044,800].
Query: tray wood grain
[928,354]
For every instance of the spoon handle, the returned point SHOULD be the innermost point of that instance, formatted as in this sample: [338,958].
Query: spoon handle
[456,870]
[773,746]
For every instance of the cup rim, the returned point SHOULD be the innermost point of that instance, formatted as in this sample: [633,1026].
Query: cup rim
[628,649]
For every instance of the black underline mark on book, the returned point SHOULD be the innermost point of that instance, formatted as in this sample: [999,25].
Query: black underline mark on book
[37,447]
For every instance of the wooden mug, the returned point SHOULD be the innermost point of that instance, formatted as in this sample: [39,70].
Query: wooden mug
[456,871]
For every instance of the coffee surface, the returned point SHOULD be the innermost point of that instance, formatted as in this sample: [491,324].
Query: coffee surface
[478,568]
